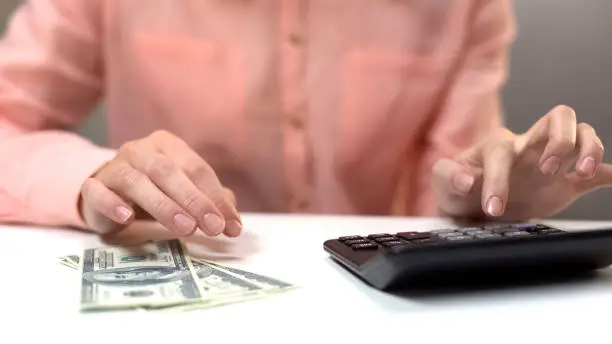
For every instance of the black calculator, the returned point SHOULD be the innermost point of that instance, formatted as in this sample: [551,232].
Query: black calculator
[390,260]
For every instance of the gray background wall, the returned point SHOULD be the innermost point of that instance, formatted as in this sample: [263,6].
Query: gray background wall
[563,54]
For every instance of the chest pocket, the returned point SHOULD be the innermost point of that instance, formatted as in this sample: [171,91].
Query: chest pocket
[386,100]
[195,88]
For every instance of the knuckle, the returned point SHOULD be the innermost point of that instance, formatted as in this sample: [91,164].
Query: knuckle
[197,169]
[440,169]
[192,201]
[503,134]
[161,168]
[561,146]
[161,135]
[585,127]
[503,147]
[437,168]
[87,187]
[128,148]
[125,175]
[564,112]
[162,207]
[218,199]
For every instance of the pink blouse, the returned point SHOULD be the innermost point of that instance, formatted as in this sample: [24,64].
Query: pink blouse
[319,106]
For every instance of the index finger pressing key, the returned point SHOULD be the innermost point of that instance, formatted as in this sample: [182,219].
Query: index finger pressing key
[498,162]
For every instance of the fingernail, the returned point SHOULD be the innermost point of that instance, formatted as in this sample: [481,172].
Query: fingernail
[184,224]
[233,228]
[123,213]
[587,166]
[551,165]
[494,206]
[463,182]
[214,224]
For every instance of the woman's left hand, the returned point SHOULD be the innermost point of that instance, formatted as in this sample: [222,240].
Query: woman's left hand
[512,177]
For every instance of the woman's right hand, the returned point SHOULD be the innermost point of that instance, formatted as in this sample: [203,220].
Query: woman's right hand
[162,178]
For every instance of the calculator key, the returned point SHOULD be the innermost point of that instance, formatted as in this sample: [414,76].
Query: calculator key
[476,232]
[357,241]
[443,230]
[487,236]
[381,235]
[351,237]
[502,230]
[393,243]
[523,225]
[399,248]
[368,246]
[472,230]
[459,238]
[515,234]
[413,235]
[449,235]
[496,225]
[385,239]
[424,241]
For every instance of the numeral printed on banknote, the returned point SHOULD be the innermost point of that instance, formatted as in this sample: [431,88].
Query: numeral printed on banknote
[152,275]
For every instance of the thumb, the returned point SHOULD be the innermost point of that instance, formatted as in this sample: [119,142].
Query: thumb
[451,178]
[456,188]
[601,179]
[102,209]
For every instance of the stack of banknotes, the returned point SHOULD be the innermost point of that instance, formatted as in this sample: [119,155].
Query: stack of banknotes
[161,276]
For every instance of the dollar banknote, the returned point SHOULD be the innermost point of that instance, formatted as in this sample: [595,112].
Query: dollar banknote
[67,263]
[73,259]
[267,283]
[154,277]
[151,275]
[216,282]
[219,288]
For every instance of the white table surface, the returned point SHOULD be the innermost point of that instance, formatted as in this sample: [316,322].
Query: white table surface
[39,299]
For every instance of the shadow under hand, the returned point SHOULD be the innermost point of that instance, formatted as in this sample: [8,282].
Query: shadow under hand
[198,244]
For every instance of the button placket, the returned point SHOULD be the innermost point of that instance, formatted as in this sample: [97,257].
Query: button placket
[293,67]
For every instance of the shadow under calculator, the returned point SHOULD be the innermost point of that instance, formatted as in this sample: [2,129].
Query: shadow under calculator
[463,282]
[479,281]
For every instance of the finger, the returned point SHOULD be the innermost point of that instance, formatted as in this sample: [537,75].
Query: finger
[232,230]
[230,196]
[205,179]
[203,176]
[107,203]
[451,177]
[456,188]
[561,139]
[173,181]
[602,178]
[134,185]
[591,151]
[498,161]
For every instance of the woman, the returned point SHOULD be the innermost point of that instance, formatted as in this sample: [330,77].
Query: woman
[349,106]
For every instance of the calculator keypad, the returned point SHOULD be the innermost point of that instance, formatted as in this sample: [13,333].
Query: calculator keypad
[402,240]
